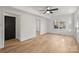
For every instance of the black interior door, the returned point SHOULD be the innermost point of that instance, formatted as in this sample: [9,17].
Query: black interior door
[10,27]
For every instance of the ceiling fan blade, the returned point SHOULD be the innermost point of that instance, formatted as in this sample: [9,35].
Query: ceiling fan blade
[54,9]
[44,12]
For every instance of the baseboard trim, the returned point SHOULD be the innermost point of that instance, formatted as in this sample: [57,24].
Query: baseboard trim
[60,34]
[42,33]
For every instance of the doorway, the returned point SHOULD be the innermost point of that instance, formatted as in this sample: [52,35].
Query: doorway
[9,27]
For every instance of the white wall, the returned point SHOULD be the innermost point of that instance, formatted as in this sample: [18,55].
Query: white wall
[69,24]
[43,26]
[18,27]
[76,27]
[1,30]
[37,25]
[28,27]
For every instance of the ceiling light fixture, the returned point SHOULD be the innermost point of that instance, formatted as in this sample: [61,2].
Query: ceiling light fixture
[48,12]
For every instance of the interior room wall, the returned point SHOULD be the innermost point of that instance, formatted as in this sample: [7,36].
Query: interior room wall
[18,27]
[1,30]
[28,27]
[76,23]
[25,26]
[43,26]
[77,28]
[69,24]
[37,25]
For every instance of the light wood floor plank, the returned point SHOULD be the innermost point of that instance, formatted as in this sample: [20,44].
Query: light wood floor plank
[44,44]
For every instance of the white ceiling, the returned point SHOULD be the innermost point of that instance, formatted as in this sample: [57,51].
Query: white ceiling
[62,9]
[36,10]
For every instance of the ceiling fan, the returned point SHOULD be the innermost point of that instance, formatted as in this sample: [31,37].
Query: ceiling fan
[49,10]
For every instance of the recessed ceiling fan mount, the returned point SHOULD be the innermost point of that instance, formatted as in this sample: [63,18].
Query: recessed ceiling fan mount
[49,10]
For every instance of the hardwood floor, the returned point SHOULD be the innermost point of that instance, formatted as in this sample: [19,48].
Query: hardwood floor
[44,44]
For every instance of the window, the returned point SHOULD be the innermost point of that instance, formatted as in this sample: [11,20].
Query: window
[59,24]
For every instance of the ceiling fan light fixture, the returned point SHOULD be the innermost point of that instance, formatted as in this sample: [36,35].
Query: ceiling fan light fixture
[48,12]
[51,12]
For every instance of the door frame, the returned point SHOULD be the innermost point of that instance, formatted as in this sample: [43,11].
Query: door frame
[8,14]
